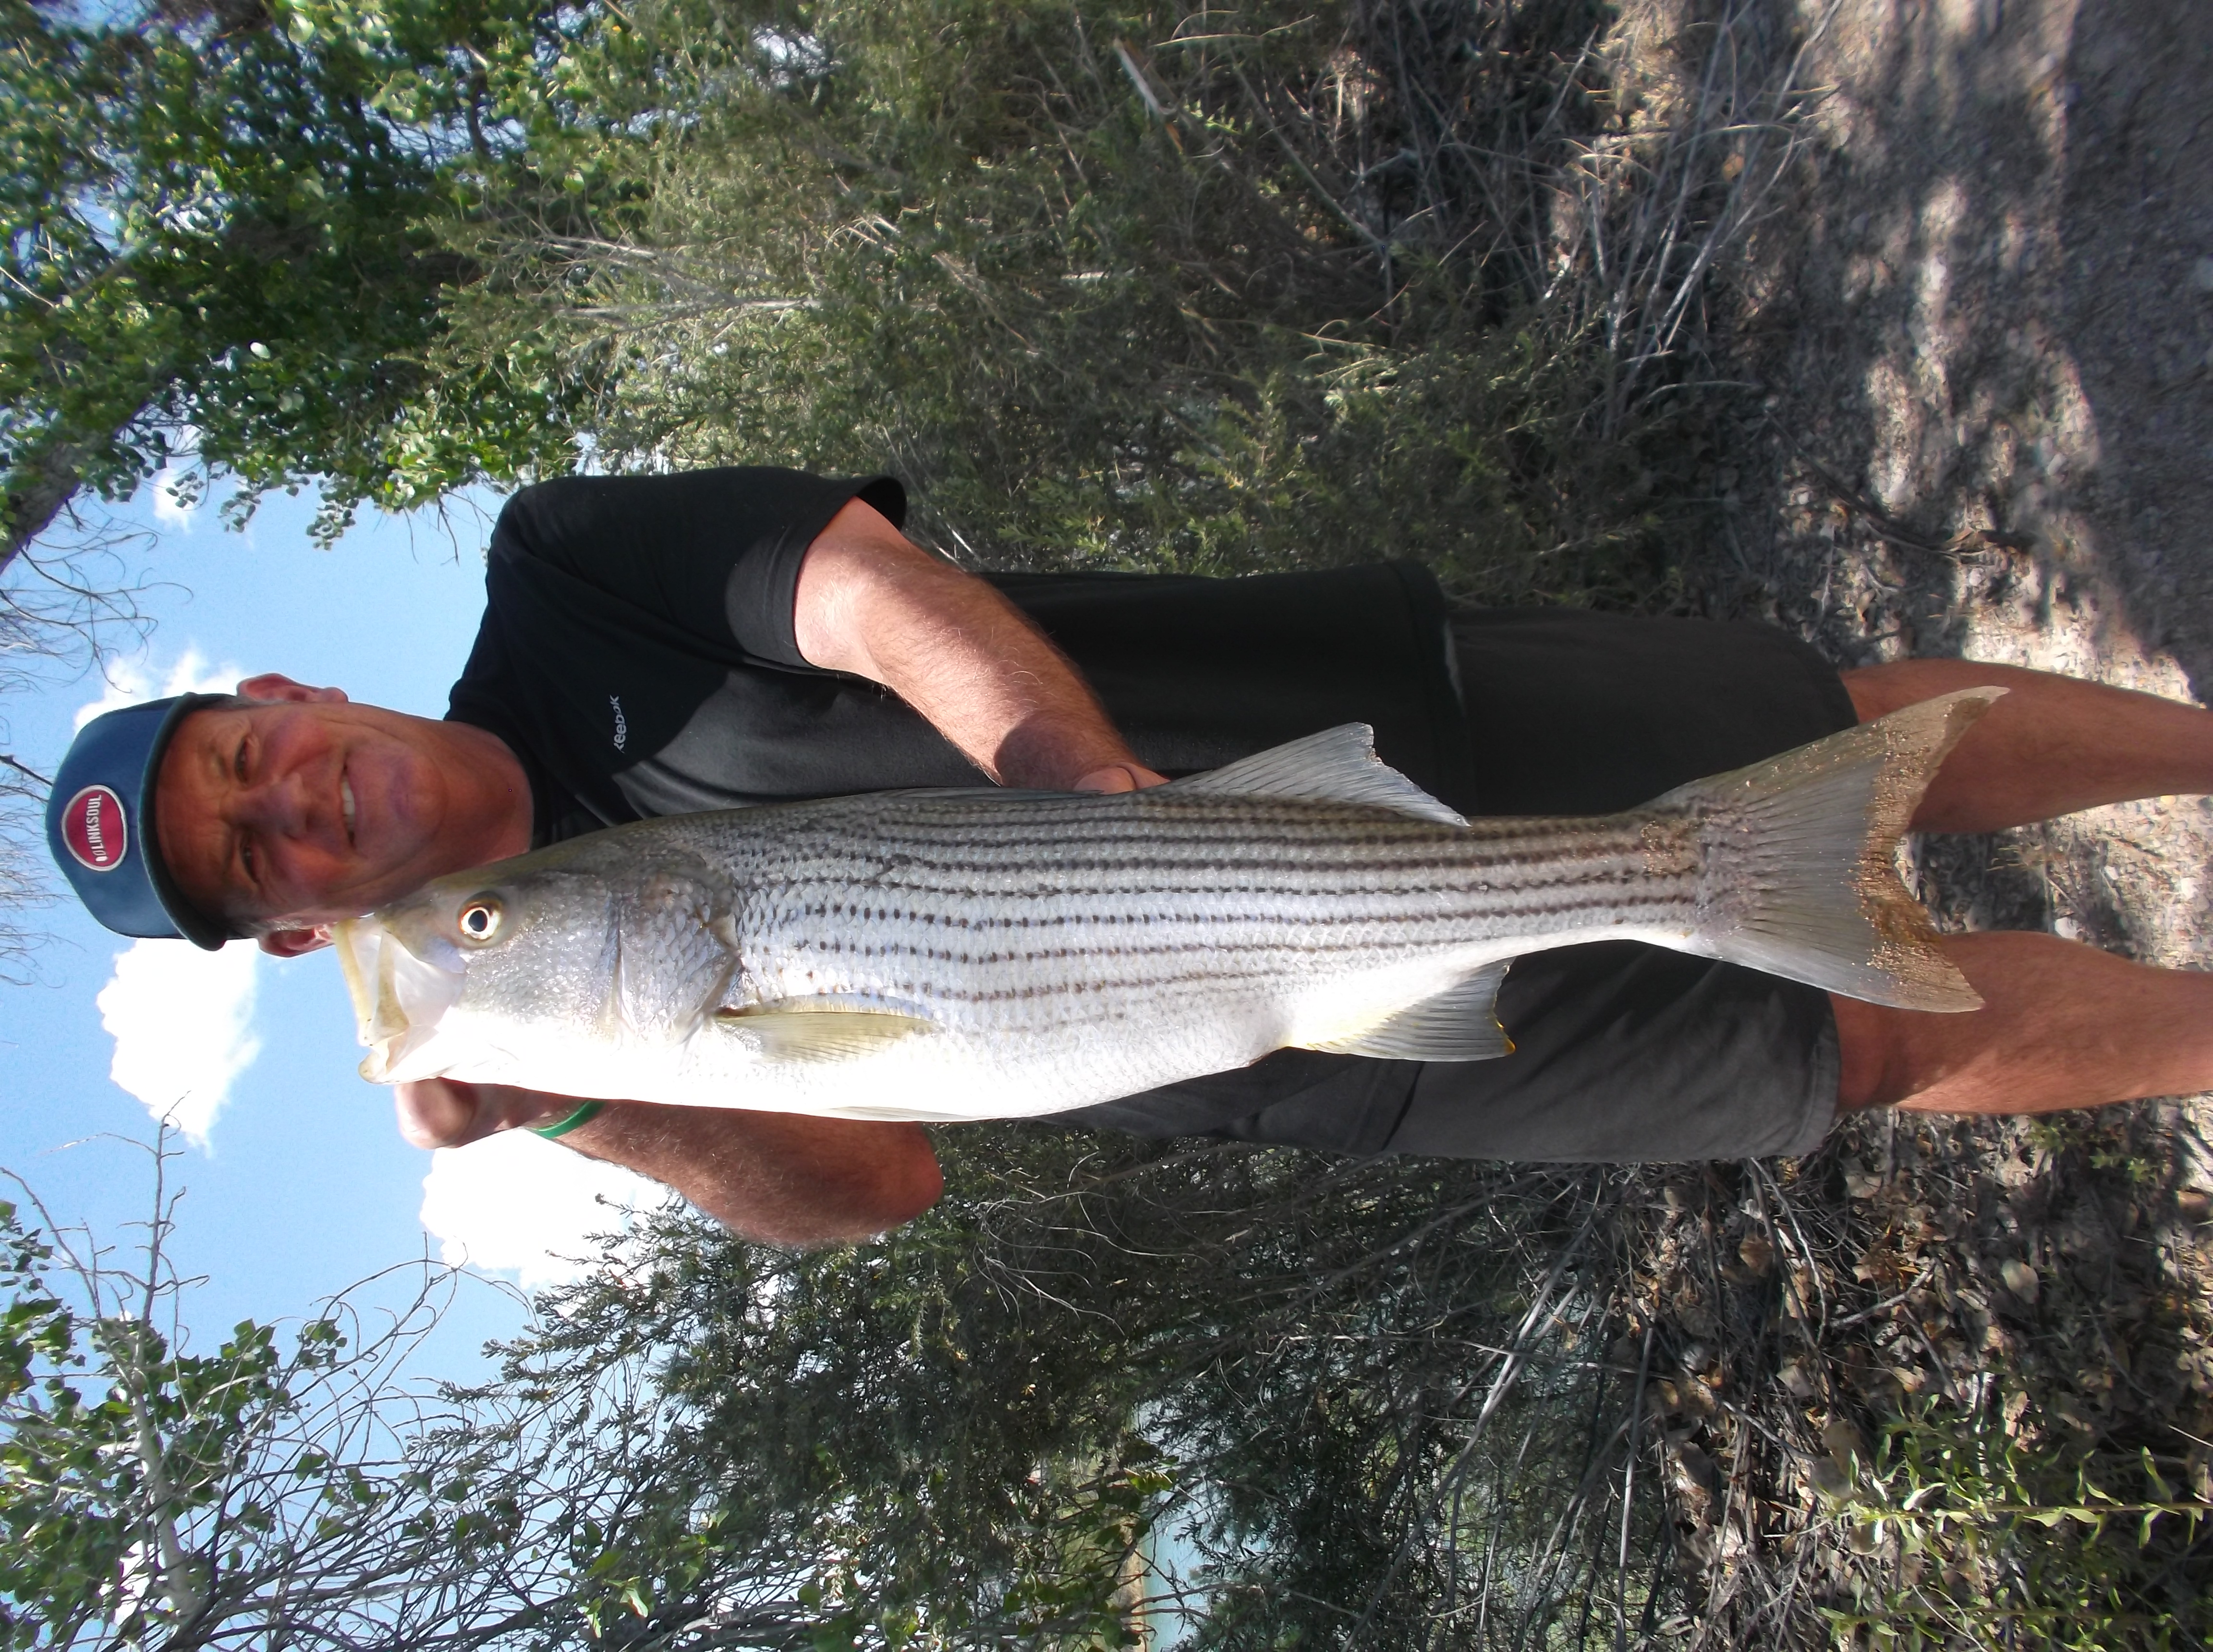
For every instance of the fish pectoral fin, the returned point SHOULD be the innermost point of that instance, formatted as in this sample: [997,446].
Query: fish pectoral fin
[1459,1024]
[1338,765]
[821,1029]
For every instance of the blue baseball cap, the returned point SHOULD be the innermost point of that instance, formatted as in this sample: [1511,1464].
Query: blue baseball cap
[99,823]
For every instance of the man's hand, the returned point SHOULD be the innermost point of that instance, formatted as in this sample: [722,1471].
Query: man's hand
[872,603]
[1119,777]
[772,1176]
[444,1112]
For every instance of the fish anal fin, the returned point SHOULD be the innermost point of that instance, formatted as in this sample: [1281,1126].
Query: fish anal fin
[1337,766]
[1459,1024]
[821,1029]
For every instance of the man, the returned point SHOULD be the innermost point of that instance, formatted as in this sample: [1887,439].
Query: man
[652,645]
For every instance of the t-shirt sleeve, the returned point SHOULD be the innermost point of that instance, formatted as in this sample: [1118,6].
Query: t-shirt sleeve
[714,553]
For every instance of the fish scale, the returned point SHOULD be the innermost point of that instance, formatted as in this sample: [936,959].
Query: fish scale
[1283,878]
[978,953]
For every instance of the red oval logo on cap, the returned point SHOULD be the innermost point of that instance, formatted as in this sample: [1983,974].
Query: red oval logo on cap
[95,828]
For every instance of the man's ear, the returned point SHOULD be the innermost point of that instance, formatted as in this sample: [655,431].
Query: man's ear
[291,943]
[276,685]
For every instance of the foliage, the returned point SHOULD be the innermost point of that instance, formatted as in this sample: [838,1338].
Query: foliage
[1275,1399]
[217,240]
[1999,1537]
[1135,286]
[287,1487]
[1278,1400]
[1127,285]
[1105,1390]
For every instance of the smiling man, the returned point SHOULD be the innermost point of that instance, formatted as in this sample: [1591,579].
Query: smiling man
[291,802]
[739,637]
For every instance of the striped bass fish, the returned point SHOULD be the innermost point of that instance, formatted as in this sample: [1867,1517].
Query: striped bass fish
[978,953]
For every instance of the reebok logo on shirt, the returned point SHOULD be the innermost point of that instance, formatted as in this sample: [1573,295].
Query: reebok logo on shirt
[622,728]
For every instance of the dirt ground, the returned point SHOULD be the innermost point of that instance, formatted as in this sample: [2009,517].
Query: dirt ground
[1983,320]
[1980,320]
[1985,323]
[1986,320]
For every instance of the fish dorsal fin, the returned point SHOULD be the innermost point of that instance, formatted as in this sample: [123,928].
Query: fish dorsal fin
[827,1028]
[1337,766]
[1459,1024]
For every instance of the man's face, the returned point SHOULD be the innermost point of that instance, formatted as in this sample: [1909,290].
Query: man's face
[301,806]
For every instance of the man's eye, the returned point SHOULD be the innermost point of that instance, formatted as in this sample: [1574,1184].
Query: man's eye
[238,765]
[246,857]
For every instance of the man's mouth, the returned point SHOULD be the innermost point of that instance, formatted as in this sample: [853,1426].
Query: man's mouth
[345,805]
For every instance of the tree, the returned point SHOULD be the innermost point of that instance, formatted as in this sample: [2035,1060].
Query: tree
[220,236]
[991,1428]
[1106,1383]
[283,1488]
[225,233]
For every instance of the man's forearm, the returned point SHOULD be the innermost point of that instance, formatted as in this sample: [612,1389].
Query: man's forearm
[872,604]
[778,1176]
[772,1176]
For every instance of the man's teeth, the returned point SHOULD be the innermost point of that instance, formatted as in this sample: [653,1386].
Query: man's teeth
[346,803]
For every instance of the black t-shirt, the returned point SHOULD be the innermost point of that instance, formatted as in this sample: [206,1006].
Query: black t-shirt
[637,655]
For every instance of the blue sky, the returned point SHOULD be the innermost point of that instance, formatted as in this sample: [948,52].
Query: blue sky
[299,1185]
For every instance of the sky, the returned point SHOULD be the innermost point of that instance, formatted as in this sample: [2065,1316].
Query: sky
[297,1182]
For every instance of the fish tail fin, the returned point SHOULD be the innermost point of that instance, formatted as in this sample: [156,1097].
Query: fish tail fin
[1799,875]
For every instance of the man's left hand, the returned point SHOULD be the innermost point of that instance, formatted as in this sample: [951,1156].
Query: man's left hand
[448,1112]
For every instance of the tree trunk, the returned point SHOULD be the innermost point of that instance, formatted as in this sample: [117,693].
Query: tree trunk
[37,490]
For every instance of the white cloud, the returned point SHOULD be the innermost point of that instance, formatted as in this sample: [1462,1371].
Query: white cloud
[516,1201]
[134,681]
[182,1020]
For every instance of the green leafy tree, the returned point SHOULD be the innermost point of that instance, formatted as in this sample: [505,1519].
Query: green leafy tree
[1105,1387]
[219,233]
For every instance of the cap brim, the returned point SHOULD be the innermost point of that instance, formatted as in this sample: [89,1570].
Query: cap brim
[195,925]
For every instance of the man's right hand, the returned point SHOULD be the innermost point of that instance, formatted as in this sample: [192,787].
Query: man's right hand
[1119,777]
[871,602]
[784,1178]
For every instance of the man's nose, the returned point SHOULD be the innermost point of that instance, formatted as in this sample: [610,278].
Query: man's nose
[279,805]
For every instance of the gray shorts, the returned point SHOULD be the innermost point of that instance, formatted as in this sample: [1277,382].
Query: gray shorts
[1623,1052]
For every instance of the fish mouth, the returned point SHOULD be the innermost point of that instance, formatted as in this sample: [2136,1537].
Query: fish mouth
[398,1000]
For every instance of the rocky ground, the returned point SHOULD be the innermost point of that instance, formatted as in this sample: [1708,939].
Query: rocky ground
[1979,314]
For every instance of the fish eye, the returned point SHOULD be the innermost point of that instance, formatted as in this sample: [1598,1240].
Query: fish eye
[480,918]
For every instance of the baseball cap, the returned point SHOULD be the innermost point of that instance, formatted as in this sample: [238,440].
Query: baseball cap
[99,823]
